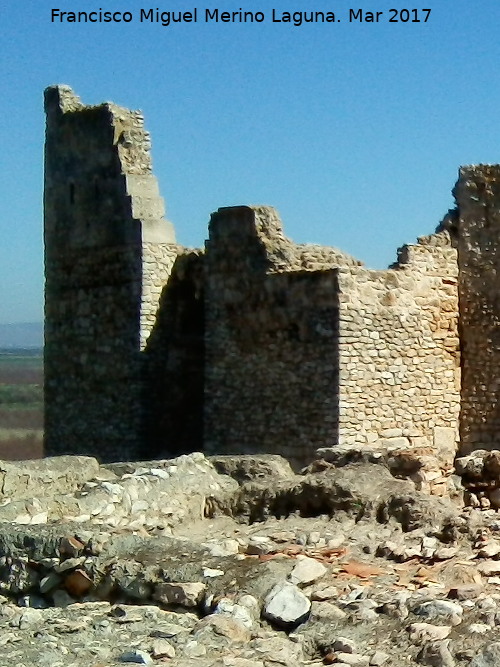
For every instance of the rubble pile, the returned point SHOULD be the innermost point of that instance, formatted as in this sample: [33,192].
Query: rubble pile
[237,561]
[480,472]
[431,471]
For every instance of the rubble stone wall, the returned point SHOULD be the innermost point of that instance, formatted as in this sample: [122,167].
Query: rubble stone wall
[174,362]
[271,338]
[157,263]
[256,344]
[399,379]
[301,357]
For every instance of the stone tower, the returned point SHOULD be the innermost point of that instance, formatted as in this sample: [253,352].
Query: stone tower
[108,253]
[476,227]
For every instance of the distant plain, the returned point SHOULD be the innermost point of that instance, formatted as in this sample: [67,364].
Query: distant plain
[21,404]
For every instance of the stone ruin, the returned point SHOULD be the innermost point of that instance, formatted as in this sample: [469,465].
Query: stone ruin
[255,344]
[383,550]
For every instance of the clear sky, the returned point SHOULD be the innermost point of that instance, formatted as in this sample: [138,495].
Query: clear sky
[353,131]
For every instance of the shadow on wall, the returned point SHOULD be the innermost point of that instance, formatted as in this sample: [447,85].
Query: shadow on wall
[174,364]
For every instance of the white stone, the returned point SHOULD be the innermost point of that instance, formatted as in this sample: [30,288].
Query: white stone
[489,550]
[222,548]
[239,612]
[306,571]
[326,593]
[335,541]
[395,443]
[29,618]
[211,572]
[354,659]
[193,649]
[440,609]
[163,649]
[445,442]
[479,628]
[428,632]
[489,568]
[286,605]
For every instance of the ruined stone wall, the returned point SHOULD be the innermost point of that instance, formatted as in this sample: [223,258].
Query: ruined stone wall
[399,352]
[105,237]
[158,260]
[271,338]
[174,362]
[257,344]
[477,230]
[307,349]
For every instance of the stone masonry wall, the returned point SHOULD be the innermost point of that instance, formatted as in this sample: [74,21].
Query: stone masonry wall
[174,362]
[257,344]
[105,236]
[299,358]
[399,352]
[157,263]
[271,373]
[477,228]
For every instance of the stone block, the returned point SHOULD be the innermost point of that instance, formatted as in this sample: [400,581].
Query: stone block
[395,443]
[143,185]
[178,593]
[157,230]
[145,208]
[420,441]
[45,477]
[286,605]
[445,443]
[306,571]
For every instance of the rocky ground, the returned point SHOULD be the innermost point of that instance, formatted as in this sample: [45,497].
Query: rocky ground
[239,562]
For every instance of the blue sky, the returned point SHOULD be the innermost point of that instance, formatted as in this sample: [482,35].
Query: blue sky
[354,132]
